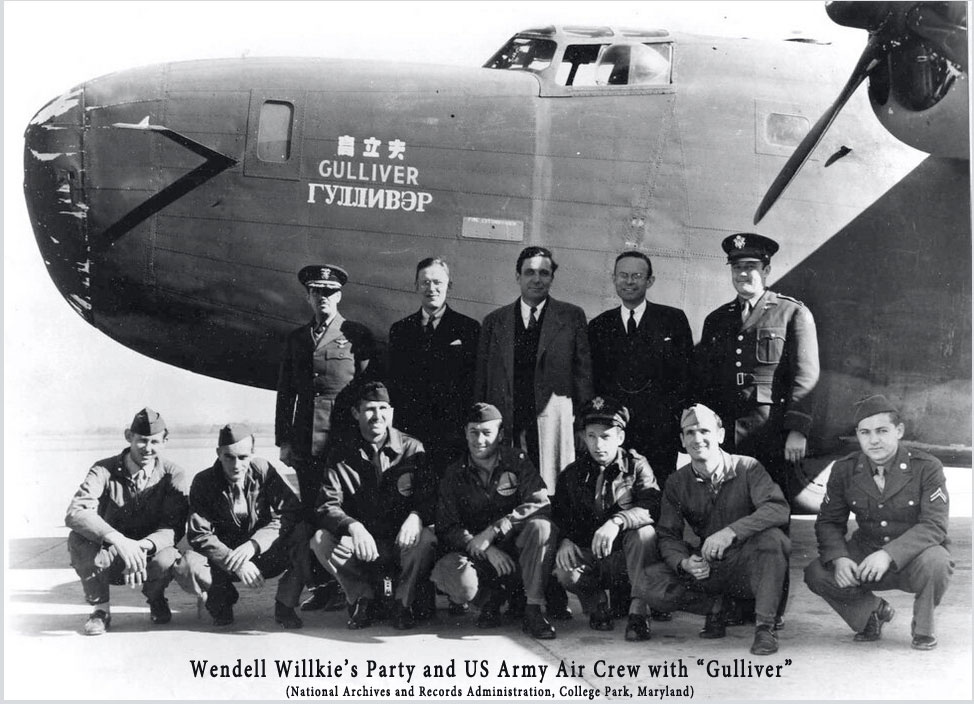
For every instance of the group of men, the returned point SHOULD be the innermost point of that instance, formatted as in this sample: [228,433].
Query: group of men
[477,487]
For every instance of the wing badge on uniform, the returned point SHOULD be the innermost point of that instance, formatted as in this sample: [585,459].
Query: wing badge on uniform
[939,494]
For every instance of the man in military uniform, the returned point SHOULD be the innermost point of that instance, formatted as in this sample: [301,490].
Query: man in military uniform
[736,510]
[376,504]
[432,362]
[757,363]
[899,498]
[321,358]
[493,516]
[641,354]
[125,520]
[244,526]
[604,509]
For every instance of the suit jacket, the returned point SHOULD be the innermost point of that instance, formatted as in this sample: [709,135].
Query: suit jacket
[312,376]
[906,518]
[432,385]
[648,372]
[770,359]
[563,365]
[273,510]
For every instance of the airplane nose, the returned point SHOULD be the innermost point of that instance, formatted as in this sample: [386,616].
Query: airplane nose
[54,189]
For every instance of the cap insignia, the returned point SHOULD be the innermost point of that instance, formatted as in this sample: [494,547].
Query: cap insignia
[740,241]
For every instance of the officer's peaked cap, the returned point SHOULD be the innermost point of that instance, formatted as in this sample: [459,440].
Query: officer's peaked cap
[322,276]
[748,245]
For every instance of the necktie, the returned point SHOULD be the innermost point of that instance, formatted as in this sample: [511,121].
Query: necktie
[141,479]
[745,311]
[429,327]
[880,477]
[533,320]
[239,503]
[631,325]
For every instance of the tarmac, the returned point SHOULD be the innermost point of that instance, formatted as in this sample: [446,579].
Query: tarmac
[47,657]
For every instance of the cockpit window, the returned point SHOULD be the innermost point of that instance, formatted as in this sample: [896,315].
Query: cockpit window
[586,65]
[524,54]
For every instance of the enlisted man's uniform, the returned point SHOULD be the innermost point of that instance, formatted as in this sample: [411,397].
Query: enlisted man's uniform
[264,510]
[513,502]
[141,506]
[757,368]
[906,518]
[379,490]
[624,492]
[318,364]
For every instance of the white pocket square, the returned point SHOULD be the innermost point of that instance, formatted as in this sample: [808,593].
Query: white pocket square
[667,339]
[455,342]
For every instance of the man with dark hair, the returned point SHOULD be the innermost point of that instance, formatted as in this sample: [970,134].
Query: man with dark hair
[493,509]
[321,358]
[736,510]
[533,364]
[374,510]
[125,521]
[244,526]
[899,498]
[432,362]
[604,509]
[641,354]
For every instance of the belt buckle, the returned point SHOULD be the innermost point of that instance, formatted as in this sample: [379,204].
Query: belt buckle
[740,378]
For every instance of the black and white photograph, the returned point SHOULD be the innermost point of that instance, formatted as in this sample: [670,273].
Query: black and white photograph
[487,350]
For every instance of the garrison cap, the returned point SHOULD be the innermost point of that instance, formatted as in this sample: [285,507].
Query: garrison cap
[748,245]
[147,422]
[606,411]
[696,414]
[323,276]
[481,413]
[232,433]
[373,391]
[872,405]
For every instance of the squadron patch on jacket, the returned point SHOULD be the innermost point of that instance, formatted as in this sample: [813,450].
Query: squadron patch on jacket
[405,484]
[507,484]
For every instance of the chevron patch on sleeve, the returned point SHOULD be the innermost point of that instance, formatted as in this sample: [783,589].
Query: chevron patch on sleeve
[939,494]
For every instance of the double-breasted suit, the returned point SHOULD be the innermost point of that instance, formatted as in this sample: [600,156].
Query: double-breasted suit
[647,372]
[431,380]
[562,376]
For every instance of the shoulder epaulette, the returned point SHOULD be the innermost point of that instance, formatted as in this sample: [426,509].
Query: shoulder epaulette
[790,298]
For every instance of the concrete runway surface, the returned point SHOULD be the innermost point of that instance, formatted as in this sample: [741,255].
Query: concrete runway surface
[46,656]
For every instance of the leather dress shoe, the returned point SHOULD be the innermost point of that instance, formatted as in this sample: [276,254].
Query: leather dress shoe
[637,629]
[97,623]
[360,614]
[924,642]
[457,609]
[714,627]
[601,619]
[285,616]
[402,617]
[765,641]
[882,614]
[325,597]
[159,611]
[223,617]
[536,625]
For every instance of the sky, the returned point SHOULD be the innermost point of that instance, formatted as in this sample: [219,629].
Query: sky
[61,375]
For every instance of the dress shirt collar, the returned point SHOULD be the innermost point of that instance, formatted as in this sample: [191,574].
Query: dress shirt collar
[526,310]
[639,310]
[437,316]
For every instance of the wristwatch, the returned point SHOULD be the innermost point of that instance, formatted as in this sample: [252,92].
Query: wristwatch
[618,520]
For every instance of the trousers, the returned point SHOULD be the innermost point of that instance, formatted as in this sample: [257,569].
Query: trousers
[98,565]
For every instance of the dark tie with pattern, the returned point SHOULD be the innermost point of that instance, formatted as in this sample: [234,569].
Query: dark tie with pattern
[631,325]
[533,319]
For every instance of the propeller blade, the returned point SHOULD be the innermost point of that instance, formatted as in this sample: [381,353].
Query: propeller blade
[872,55]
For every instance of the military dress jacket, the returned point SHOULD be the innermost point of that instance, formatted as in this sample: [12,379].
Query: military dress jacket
[629,490]
[748,502]
[769,359]
[647,372]
[108,500]
[431,381]
[515,491]
[273,510]
[904,519]
[312,375]
[354,490]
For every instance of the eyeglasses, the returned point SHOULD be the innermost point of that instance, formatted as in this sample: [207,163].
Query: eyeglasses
[634,278]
